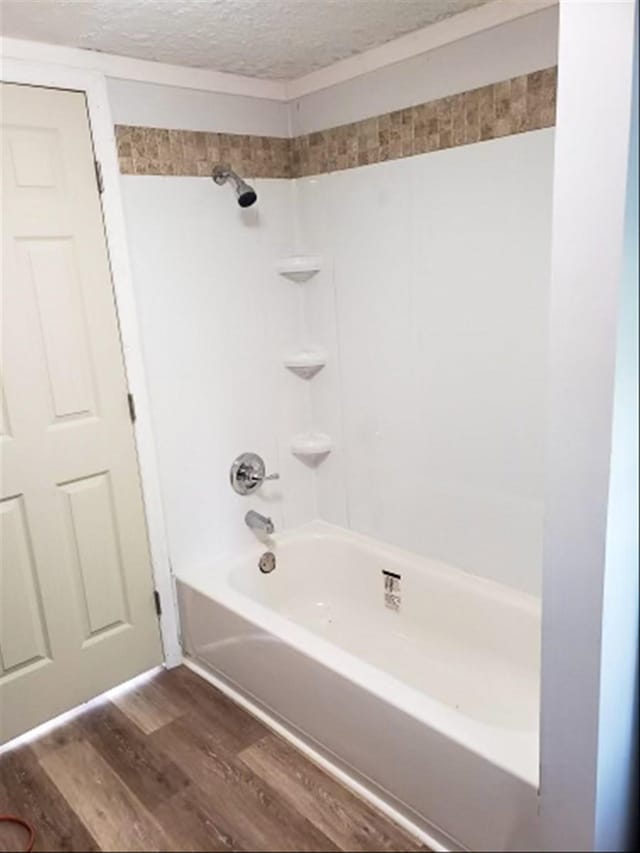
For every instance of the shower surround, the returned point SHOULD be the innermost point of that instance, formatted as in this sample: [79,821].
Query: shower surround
[432,307]
[429,308]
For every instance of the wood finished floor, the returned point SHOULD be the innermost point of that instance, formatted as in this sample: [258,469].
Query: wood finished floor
[175,765]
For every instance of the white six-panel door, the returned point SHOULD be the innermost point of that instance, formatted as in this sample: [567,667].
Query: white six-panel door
[77,611]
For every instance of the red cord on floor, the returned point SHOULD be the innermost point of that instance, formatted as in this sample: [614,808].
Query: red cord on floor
[23,823]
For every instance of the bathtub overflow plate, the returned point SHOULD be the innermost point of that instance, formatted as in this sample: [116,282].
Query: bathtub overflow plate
[267,562]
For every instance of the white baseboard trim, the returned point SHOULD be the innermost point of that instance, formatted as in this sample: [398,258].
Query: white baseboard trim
[428,835]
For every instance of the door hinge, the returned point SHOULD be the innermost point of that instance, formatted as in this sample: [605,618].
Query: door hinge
[156,601]
[99,178]
[132,408]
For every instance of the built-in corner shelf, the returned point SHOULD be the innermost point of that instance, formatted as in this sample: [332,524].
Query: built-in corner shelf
[306,362]
[299,268]
[312,447]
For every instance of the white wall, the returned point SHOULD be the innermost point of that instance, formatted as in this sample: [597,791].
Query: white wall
[590,183]
[215,320]
[617,784]
[518,47]
[152,105]
[435,316]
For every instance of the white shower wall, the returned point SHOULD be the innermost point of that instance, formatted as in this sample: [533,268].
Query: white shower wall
[433,308]
[215,321]
[432,304]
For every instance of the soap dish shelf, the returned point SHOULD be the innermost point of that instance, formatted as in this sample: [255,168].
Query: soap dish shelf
[306,362]
[299,268]
[311,446]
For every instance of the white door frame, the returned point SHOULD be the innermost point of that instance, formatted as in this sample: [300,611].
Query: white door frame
[93,84]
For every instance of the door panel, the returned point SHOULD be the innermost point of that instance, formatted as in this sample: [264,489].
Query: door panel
[49,264]
[24,635]
[77,613]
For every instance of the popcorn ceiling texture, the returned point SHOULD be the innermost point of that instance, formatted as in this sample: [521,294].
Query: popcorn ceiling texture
[512,106]
[257,38]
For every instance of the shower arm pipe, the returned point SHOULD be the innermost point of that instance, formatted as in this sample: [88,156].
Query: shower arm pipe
[246,195]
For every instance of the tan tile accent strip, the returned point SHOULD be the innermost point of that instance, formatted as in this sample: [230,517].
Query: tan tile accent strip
[155,151]
[512,106]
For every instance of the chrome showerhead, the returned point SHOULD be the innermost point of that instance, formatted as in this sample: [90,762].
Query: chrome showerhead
[246,195]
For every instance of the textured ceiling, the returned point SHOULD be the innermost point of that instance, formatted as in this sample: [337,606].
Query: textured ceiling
[259,38]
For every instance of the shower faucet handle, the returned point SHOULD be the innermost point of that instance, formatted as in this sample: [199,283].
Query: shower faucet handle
[253,477]
[248,473]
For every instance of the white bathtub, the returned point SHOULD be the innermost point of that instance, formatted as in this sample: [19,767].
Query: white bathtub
[435,705]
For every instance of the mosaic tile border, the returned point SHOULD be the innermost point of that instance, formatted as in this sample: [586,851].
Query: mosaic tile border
[523,103]
[501,109]
[156,151]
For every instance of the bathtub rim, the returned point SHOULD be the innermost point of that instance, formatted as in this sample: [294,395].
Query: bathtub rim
[472,734]
[449,574]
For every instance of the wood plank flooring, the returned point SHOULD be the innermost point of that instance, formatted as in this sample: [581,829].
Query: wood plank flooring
[173,764]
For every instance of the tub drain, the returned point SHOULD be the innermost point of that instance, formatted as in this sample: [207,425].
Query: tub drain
[267,562]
